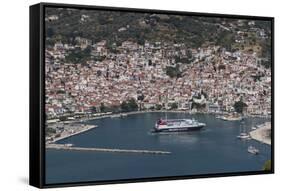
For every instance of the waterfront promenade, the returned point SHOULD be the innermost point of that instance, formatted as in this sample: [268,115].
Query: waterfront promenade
[124,114]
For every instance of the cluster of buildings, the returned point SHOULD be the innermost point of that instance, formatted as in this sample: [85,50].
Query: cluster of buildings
[210,76]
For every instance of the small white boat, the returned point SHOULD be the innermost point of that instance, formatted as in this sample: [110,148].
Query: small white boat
[115,116]
[68,145]
[243,136]
[253,150]
[254,128]
[230,117]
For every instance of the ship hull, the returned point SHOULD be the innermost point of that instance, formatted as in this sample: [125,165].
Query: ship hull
[180,129]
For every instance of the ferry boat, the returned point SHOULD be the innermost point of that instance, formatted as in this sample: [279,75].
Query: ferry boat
[177,125]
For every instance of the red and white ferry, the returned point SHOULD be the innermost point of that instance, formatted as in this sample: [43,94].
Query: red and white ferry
[176,125]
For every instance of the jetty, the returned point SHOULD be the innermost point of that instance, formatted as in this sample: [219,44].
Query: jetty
[69,133]
[262,133]
[72,148]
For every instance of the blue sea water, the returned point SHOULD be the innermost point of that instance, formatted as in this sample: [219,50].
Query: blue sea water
[214,149]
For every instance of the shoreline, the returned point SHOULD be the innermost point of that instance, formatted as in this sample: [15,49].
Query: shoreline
[68,132]
[124,114]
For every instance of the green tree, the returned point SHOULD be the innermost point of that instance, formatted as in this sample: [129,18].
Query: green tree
[239,106]
[63,118]
[226,40]
[93,109]
[50,131]
[114,108]
[124,106]
[103,108]
[173,71]
[189,54]
[132,104]
[158,107]
[78,55]
[141,97]
[174,106]
[267,165]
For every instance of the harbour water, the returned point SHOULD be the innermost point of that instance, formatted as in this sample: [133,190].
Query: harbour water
[214,149]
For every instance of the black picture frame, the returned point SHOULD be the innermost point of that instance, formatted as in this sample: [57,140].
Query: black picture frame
[37,95]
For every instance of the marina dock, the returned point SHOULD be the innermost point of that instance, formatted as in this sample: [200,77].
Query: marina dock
[69,147]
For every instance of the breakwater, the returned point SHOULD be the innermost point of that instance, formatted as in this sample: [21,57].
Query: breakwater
[70,147]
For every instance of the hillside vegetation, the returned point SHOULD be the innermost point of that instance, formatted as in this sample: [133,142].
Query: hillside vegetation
[193,31]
